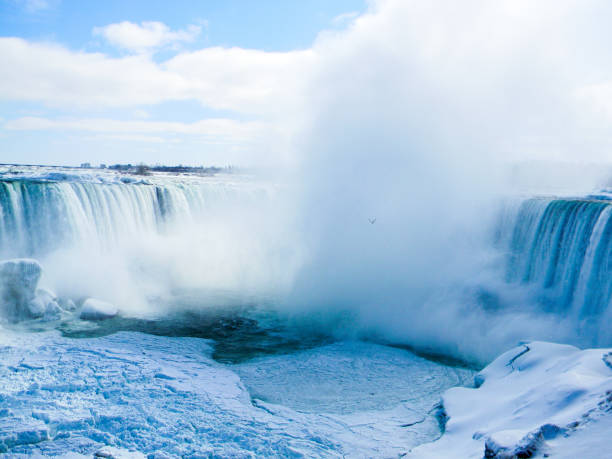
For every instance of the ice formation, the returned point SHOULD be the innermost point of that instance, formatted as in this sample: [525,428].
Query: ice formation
[531,401]
[20,297]
[166,397]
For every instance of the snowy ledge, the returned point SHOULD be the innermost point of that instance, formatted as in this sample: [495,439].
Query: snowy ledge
[537,400]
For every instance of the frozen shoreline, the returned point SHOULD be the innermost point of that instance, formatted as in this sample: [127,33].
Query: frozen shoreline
[152,395]
[536,400]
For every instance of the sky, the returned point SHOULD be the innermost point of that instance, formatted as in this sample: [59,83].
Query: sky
[247,83]
[119,82]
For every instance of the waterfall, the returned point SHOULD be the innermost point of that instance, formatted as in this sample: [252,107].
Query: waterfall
[563,248]
[133,242]
[37,217]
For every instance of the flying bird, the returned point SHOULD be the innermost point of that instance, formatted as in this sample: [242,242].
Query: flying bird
[372,220]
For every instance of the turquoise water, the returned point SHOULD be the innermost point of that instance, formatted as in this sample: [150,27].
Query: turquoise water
[238,334]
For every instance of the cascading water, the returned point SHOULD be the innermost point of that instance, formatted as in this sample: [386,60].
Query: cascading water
[137,241]
[39,216]
[562,250]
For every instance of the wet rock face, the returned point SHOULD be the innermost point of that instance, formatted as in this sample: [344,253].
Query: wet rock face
[18,281]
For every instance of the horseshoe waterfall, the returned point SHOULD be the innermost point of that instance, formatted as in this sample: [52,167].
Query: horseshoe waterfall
[146,268]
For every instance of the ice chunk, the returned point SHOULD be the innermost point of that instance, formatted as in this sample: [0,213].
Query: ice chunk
[110,452]
[44,305]
[66,304]
[19,297]
[97,310]
[15,432]
[18,281]
[35,308]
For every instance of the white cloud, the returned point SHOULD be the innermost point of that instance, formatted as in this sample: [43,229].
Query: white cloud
[130,138]
[507,72]
[242,80]
[141,114]
[145,36]
[212,130]
[56,76]
[34,6]
[345,18]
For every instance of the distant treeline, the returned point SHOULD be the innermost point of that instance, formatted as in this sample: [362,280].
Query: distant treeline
[143,169]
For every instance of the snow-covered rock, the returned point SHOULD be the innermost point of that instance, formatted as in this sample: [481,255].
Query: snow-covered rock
[93,309]
[528,401]
[18,281]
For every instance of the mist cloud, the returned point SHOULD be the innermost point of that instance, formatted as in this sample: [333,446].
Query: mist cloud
[412,117]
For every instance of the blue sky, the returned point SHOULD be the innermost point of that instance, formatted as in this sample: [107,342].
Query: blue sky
[270,25]
[41,123]
[248,82]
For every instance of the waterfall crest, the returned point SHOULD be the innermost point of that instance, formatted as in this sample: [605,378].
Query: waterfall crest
[37,217]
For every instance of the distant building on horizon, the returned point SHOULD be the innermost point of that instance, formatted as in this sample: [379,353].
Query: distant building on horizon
[86,165]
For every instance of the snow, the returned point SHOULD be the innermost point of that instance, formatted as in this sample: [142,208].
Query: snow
[151,395]
[376,391]
[534,399]
[136,395]
[350,376]
[110,176]
[93,309]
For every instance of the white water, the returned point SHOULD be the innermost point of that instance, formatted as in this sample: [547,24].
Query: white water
[131,243]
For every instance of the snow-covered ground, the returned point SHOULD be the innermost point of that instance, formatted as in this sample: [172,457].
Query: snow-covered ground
[135,395]
[111,176]
[157,396]
[537,400]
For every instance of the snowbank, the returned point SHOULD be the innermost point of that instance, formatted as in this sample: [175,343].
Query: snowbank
[532,399]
